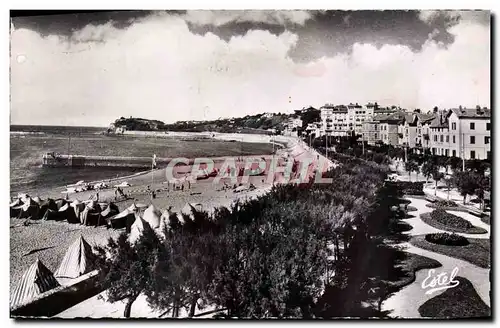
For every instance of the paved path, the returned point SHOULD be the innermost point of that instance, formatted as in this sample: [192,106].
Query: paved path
[405,302]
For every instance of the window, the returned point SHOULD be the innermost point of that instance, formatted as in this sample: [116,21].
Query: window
[472,154]
[441,138]
[488,155]
[454,153]
[433,151]
[446,152]
[486,140]
[472,140]
[453,126]
[472,126]
[435,138]
[447,138]
[375,128]
[375,136]
[453,139]
[488,126]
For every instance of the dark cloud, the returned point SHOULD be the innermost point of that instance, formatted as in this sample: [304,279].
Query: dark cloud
[327,33]
[64,23]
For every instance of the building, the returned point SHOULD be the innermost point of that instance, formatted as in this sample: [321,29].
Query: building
[342,120]
[412,128]
[462,132]
[383,128]
[334,120]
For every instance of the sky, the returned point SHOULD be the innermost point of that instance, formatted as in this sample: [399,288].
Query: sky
[89,69]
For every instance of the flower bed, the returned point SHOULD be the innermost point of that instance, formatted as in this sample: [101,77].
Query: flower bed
[447,239]
[445,203]
[410,188]
[440,219]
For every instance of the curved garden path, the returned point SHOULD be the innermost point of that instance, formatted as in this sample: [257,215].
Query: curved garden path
[405,302]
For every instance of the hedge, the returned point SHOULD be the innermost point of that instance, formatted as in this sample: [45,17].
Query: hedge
[447,239]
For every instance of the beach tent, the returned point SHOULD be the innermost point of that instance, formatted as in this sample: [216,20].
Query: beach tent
[67,213]
[152,216]
[60,203]
[37,200]
[136,207]
[36,280]
[48,204]
[51,215]
[165,220]
[29,209]
[78,260]
[109,210]
[15,208]
[125,219]
[78,207]
[137,229]
[91,215]
[189,210]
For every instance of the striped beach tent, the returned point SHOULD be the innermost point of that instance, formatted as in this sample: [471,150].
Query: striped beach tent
[36,280]
[78,260]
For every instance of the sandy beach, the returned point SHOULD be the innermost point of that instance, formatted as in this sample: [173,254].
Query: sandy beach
[48,240]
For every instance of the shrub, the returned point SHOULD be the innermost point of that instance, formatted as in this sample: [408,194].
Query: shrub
[445,203]
[447,239]
[410,188]
[450,220]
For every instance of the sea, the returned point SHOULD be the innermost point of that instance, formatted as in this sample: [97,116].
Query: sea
[28,143]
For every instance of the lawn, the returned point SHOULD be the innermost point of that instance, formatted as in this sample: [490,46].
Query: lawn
[477,252]
[461,301]
[411,264]
[442,220]
[486,219]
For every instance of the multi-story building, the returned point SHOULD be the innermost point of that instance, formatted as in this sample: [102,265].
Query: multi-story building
[383,128]
[341,120]
[462,132]
[412,128]
[334,120]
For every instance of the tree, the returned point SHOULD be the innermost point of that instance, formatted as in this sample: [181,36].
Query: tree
[466,183]
[437,176]
[411,166]
[125,269]
[428,169]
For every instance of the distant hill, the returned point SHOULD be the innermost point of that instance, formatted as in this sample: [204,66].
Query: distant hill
[259,123]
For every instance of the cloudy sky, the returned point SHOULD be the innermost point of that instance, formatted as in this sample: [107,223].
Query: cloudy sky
[91,68]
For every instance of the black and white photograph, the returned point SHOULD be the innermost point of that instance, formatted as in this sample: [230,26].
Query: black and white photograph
[250,164]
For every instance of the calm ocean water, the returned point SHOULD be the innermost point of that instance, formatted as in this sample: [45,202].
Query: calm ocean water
[29,143]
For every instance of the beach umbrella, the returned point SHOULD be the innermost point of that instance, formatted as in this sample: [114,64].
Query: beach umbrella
[78,207]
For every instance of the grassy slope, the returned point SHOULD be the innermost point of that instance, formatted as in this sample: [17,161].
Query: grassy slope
[477,252]
[457,302]
[427,218]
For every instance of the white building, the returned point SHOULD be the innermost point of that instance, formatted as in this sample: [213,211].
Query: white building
[462,132]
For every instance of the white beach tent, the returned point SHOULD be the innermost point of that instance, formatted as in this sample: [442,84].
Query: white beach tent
[36,280]
[78,260]
[137,229]
[152,216]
